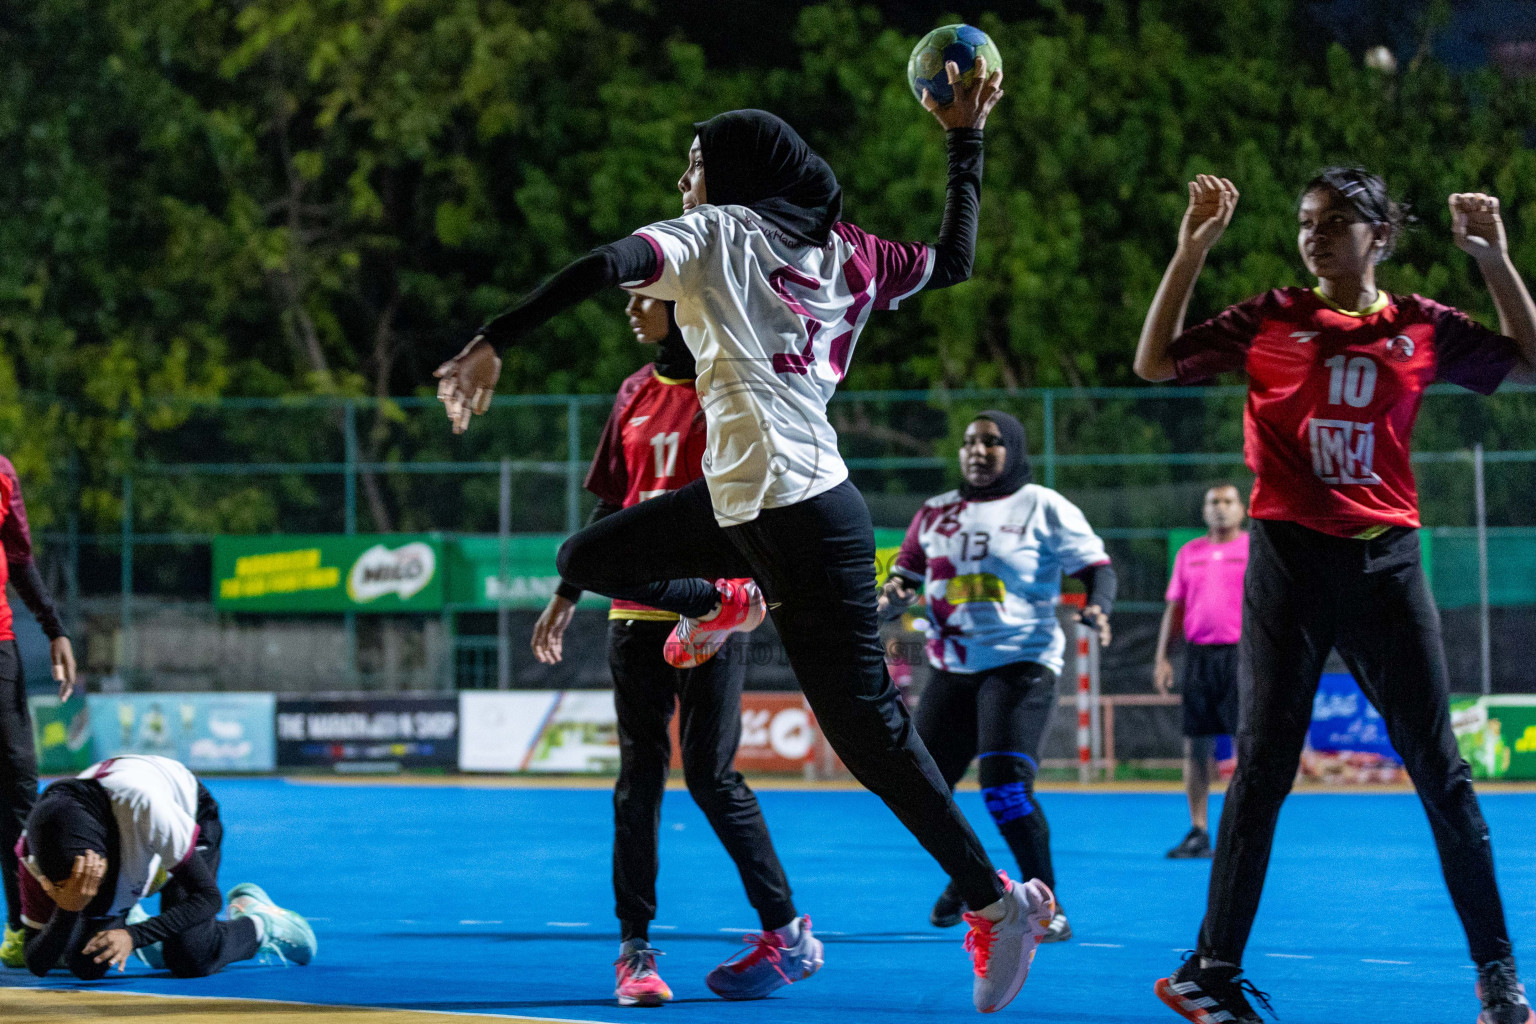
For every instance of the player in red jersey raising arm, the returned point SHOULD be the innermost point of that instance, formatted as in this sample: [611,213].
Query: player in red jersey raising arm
[1336,375]
[654,443]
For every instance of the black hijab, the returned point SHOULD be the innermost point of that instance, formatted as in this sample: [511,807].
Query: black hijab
[71,817]
[1016,469]
[754,159]
[672,356]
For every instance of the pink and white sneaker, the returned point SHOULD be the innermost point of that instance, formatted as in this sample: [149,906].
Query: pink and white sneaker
[638,982]
[1002,951]
[695,641]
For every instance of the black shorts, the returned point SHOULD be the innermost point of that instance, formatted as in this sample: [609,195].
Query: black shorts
[1210,689]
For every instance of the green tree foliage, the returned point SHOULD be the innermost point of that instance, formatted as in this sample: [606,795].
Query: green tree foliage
[205,199]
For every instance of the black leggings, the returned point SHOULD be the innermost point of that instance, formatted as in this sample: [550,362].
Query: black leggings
[1304,594]
[708,698]
[201,950]
[18,773]
[815,561]
[1000,715]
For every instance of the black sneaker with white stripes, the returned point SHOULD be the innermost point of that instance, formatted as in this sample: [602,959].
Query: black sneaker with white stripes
[1217,994]
[1502,995]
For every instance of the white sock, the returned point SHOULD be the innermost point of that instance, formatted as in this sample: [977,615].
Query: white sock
[995,911]
[261,927]
[789,934]
[718,609]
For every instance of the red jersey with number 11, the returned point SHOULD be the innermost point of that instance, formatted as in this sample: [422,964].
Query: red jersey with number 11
[653,443]
[1333,395]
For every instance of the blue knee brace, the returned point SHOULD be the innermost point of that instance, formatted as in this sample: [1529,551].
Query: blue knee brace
[1007,785]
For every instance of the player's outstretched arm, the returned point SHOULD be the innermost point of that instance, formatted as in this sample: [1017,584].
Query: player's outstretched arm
[1211,203]
[467,382]
[963,119]
[1479,231]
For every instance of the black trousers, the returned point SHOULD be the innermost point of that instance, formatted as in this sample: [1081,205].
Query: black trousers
[205,948]
[815,561]
[999,715]
[708,699]
[1306,593]
[18,773]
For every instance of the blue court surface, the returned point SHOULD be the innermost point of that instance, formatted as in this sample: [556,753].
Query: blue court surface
[497,901]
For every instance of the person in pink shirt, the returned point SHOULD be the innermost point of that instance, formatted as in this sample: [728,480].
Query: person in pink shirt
[1205,601]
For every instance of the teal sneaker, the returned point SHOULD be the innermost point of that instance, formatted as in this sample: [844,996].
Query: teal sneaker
[13,951]
[286,934]
[151,955]
[765,966]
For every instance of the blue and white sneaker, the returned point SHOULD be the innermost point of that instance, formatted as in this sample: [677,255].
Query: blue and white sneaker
[153,955]
[765,966]
[285,933]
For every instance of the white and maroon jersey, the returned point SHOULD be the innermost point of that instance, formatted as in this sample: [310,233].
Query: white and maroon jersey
[991,574]
[653,443]
[154,800]
[1333,395]
[772,325]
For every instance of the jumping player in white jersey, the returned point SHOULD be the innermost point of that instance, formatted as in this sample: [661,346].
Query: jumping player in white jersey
[772,290]
[989,558]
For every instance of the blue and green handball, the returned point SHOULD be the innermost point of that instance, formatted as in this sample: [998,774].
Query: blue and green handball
[959,43]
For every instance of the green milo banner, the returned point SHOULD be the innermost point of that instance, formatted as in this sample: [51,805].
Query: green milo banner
[1497,735]
[381,573]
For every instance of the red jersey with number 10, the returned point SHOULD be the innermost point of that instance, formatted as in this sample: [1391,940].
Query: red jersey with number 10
[1333,395]
[653,443]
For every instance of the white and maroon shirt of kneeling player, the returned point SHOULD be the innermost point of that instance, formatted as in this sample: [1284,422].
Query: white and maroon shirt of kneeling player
[1333,395]
[154,802]
[991,574]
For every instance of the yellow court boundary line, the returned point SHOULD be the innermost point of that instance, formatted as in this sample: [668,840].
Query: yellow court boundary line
[789,784]
[55,1006]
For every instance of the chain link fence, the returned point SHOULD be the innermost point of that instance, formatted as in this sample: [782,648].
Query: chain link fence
[127,539]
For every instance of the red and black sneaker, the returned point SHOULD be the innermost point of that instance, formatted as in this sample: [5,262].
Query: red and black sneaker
[1502,995]
[1217,994]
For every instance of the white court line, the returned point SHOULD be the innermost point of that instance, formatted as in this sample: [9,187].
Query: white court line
[1367,960]
[665,927]
[1290,956]
[481,922]
[1101,945]
[561,924]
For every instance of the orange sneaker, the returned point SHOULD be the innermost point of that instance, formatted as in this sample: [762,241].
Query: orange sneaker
[638,982]
[695,641]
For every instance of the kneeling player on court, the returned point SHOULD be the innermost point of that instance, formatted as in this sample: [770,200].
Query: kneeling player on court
[124,829]
[990,557]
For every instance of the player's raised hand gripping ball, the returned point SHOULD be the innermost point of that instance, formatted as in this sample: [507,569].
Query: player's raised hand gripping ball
[959,45]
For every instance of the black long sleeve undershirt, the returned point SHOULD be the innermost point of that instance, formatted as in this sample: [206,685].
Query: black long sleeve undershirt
[955,252]
[44,948]
[202,904]
[601,510]
[628,259]
[1102,583]
[633,259]
[34,593]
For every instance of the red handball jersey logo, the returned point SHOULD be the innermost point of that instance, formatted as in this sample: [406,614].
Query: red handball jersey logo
[1343,452]
[1400,347]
